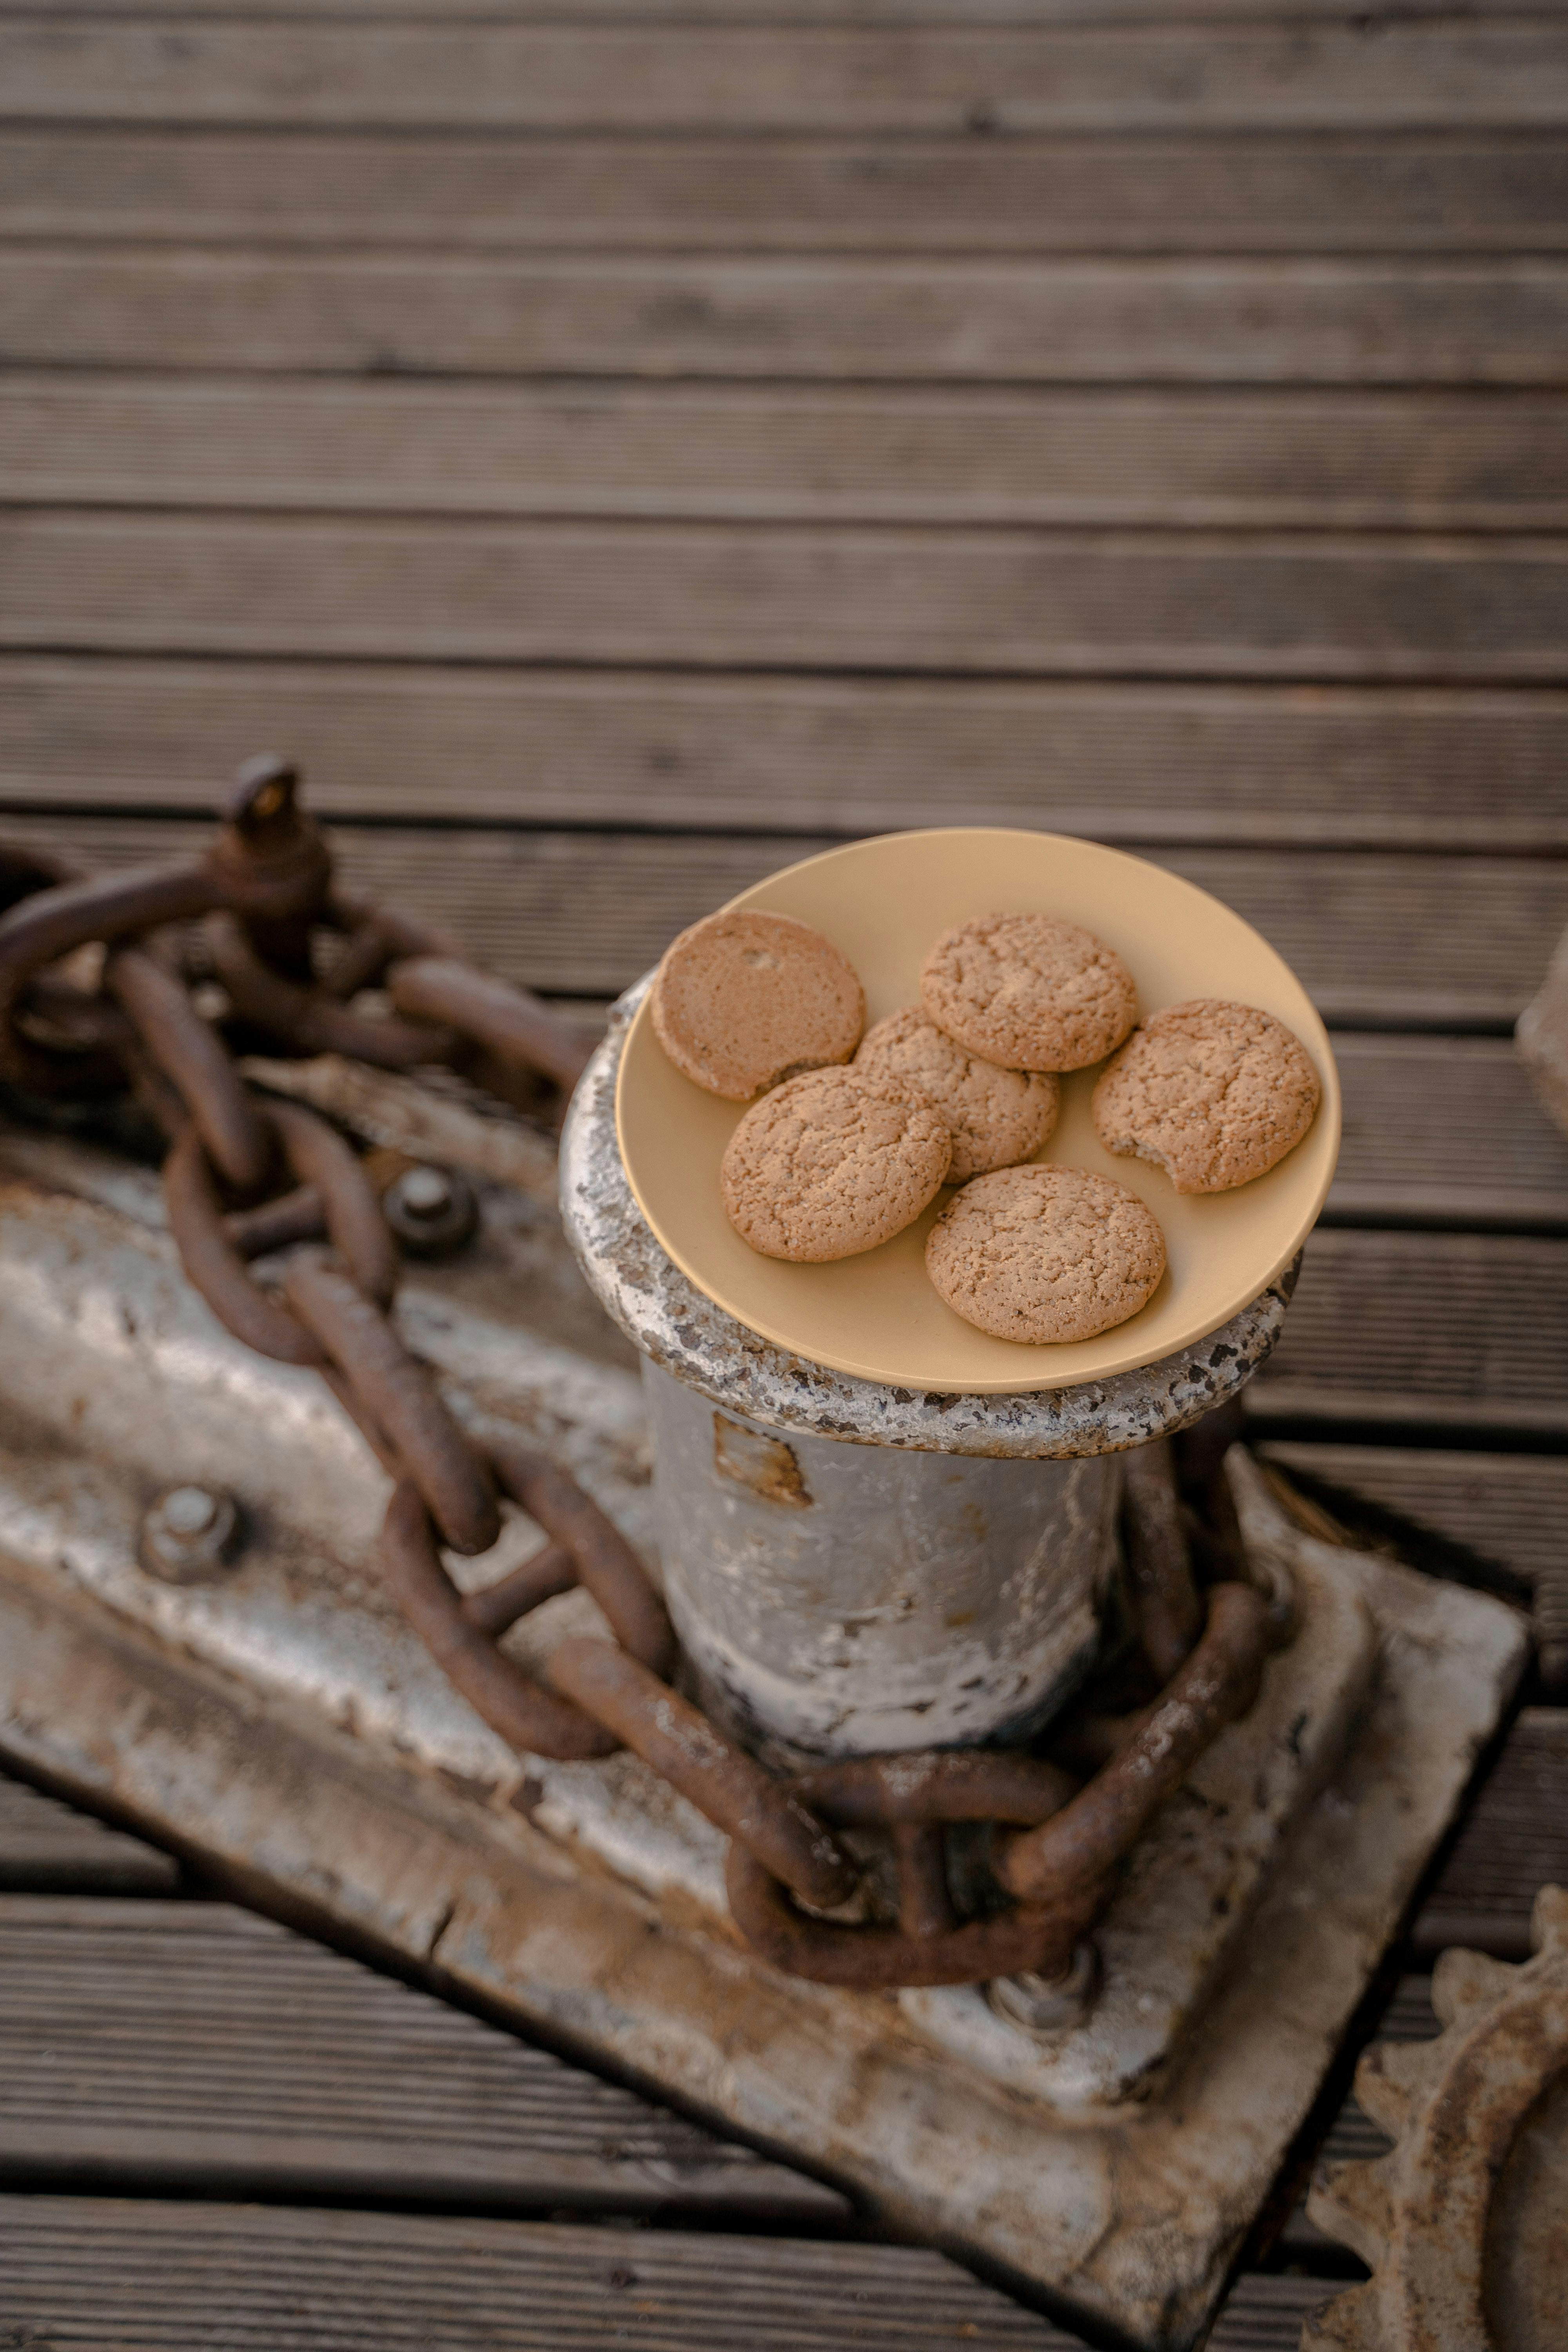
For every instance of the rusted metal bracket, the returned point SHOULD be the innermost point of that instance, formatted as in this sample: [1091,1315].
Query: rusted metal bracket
[279,1718]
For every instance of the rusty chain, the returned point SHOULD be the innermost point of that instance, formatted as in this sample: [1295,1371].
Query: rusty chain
[245,1177]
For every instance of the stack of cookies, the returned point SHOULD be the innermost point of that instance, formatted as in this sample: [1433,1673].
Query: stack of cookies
[855,1134]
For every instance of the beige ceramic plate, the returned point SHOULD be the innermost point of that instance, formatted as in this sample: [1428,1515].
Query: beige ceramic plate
[883,902]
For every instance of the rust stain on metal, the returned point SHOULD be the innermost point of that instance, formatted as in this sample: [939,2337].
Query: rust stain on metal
[1465,2226]
[763,1465]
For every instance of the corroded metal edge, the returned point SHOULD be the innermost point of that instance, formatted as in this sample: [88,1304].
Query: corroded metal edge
[670,1320]
[1463,2224]
[1131,2219]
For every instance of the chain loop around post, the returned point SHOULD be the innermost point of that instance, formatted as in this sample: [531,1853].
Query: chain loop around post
[401,1397]
[192,1056]
[319,1157]
[1055,1841]
[308,1021]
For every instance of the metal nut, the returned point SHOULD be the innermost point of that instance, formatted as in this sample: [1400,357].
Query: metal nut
[431,1210]
[1048,2005]
[188,1534]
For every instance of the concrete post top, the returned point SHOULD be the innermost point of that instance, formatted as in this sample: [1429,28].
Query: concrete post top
[671,1321]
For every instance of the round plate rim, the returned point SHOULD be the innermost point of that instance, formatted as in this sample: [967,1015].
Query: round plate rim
[1328,1119]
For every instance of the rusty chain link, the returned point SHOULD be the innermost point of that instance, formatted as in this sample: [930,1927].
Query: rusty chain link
[246,1178]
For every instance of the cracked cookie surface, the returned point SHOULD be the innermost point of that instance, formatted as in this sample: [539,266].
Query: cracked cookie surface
[1043,1255]
[998,1117]
[1029,991]
[832,1163]
[1213,1092]
[743,1000]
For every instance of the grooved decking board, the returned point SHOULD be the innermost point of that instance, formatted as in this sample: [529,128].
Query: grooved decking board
[903,14]
[1257,321]
[1354,2137]
[853,454]
[45,1845]
[1514,1842]
[1406,1155]
[1348,766]
[1344,195]
[163,2045]
[192,2275]
[1429,943]
[1412,75]
[1443,1330]
[1509,1510]
[1304,605]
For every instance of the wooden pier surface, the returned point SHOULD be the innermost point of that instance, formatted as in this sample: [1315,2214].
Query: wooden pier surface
[617,449]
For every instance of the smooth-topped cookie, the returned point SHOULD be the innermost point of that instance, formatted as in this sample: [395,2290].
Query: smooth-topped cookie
[743,1000]
[832,1163]
[1029,991]
[1213,1093]
[997,1117]
[1046,1253]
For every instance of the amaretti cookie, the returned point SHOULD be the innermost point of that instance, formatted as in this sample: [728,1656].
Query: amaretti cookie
[1046,1253]
[832,1163]
[998,1117]
[745,1000]
[1213,1093]
[1029,991]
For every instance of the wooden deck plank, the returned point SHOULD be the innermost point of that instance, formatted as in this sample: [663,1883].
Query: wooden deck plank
[1280,320]
[1383,943]
[1456,193]
[903,14]
[1407,1158]
[1348,766]
[193,2274]
[155,2045]
[290,2283]
[48,1847]
[1514,1842]
[1507,1513]
[1304,605]
[1429,461]
[1390,1330]
[1416,74]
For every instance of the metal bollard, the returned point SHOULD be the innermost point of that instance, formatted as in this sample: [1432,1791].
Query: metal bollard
[848,1600]
[853,1568]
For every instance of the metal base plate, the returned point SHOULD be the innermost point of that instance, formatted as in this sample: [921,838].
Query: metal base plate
[279,1721]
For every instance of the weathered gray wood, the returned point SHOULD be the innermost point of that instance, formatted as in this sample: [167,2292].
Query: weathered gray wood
[1306,605]
[192,2275]
[1253,321]
[46,1846]
[1409,1158]
[1416,74]
[1354,2137]
[1350,194]
[1439,942]
[1506,1513]
[1514,1842]
[1350,767]
[156,2045]
[902,13]
[1266,2314]
[849,454]
[1391,1332]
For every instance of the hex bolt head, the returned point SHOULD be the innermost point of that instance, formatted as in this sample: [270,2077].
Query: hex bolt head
[1048,2005]
[188,1534]
[432,1211]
